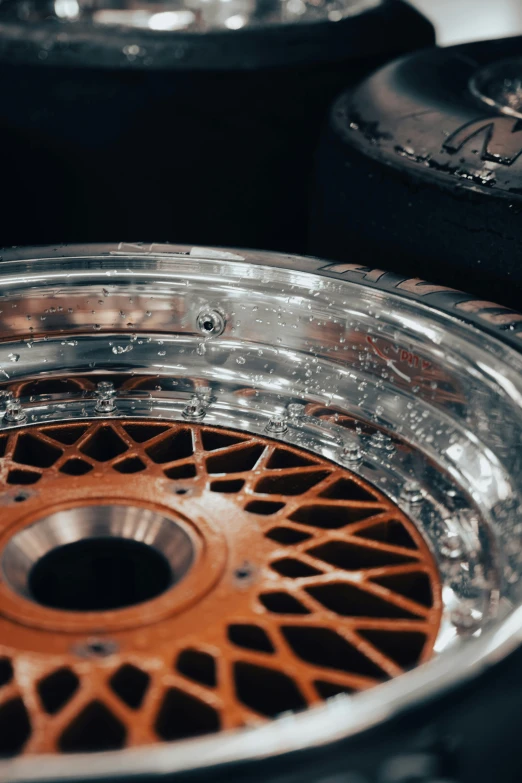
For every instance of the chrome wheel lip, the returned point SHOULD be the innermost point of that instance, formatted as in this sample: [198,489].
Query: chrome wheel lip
[255,45]
[343,717]
[103,15]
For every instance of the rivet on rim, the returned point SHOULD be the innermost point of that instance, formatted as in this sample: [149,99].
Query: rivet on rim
[412,492]
[205,395]
[211,323]
[277,425]
[14,413]
[379,440]
[466,617]
[295,411]
[450,546]
[195,410]
[351,454]
[105,393]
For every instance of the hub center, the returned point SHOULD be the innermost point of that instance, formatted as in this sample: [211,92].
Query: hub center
[97,558]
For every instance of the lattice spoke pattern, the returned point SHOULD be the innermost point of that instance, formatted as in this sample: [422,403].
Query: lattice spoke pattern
[341,592]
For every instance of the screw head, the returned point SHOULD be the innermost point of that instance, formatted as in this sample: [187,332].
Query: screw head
[195,409]
[105,393]
[210,323]
[379,440]
[412,492]
[277,425]
[105,389]
[450,546]
[244,574]
[351,454]
[14,413]
[296,410]
[466,617]
[96,648]
[17,495]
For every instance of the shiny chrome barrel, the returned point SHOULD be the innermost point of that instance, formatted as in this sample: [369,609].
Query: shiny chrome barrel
[260,515]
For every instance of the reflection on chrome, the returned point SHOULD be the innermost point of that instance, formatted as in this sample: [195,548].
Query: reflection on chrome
[499,86]
[188,15]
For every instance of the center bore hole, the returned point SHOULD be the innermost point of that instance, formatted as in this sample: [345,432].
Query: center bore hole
[99,574]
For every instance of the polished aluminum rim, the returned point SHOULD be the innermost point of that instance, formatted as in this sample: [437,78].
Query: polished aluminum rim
[266,345]
[170,16]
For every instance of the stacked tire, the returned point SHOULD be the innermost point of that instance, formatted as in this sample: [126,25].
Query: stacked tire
[420,170]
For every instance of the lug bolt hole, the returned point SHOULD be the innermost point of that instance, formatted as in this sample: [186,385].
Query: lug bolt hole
[96,648]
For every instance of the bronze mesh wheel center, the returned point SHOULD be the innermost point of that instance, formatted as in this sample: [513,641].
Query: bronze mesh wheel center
[306,582]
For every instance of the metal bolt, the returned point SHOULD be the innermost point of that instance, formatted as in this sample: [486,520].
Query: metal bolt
[204,395]
[105,393]
[379,440]
[195,409]
[16,496]
[96,648]
[466,617]
[211,323]
[14,413]
[450,546]
[295,410]
[277,425]
[412,492]
[105,388]
[244,574]
[351,453]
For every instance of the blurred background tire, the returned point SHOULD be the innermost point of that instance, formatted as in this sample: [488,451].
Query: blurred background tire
[203,131]
[420,169]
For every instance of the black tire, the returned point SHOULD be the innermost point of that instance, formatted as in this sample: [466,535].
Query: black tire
[212,137]
[420,175]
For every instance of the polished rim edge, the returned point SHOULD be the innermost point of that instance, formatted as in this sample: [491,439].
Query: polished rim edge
[331,721]
[502,322]
[117,46]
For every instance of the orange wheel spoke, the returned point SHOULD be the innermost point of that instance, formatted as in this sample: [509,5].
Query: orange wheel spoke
[277,580]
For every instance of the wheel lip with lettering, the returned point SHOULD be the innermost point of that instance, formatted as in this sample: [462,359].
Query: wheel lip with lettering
[409,719]
[504,323]
[414,166]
